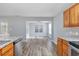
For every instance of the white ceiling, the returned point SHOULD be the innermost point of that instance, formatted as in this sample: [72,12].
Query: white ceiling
[32,9]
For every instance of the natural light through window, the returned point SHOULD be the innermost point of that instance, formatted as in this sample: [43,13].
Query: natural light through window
[50,28]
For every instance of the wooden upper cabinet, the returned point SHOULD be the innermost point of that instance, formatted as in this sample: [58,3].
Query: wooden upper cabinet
[66,18]
[74,11]
[71,16]
[77,14]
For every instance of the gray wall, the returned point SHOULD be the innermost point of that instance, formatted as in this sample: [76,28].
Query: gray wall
[59,27]
[17,25]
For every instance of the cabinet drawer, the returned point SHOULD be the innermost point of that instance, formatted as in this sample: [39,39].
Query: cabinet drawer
[7,48]
[9,53]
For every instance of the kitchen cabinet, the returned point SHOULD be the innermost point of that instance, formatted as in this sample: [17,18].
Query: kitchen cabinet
[74,11]
[59,47]
[7,50]
[71,16]
[77,14]
[66,18]
[62,47]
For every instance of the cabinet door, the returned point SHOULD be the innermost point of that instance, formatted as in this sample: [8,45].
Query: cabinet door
[65,48]
[72,17]
[7,48]
[66,18]
[62,47]
[77,14]
[59,47]
[0,51]
[9,53]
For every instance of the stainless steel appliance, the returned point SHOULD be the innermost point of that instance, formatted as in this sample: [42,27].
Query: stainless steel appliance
[74,48]
[18,47]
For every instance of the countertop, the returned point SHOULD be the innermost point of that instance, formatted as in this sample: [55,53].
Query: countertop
[9,39]
[70,38]
[4,44]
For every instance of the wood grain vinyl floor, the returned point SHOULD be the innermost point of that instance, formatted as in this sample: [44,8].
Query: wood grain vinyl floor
[39,47]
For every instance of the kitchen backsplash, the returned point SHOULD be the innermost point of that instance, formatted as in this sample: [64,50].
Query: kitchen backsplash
[70,32]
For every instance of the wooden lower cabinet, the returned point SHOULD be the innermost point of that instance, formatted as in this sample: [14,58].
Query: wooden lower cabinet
[62,47]
[9,53]
[65,50]
[7,50]
[71,16]
[59,47]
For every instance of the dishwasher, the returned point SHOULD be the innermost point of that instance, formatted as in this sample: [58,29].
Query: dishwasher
[18,47]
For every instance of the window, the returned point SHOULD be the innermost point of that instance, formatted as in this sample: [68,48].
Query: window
[50,27]
[4,27]
[38,28]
